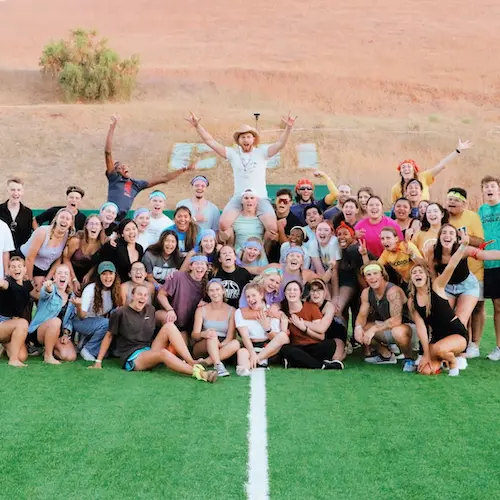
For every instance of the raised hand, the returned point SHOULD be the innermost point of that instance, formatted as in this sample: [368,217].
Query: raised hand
[193,120]
[114,121]
[362,247]
[289,120]
[462,146]
[463,237]
[319,173]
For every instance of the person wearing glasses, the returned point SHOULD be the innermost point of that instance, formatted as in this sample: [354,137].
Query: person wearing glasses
[18,217]
[304,195]
[74,196]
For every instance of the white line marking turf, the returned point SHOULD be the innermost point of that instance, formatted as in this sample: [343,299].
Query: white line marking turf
[258,480]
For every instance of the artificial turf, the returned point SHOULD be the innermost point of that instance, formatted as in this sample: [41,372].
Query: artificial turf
[369,432]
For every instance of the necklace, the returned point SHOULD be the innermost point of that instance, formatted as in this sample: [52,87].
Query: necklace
[244,162]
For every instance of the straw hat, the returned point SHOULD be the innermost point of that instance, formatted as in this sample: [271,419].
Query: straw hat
[245,129]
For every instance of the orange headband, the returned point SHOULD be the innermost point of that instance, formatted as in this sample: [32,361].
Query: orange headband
[343,225]
[411,162]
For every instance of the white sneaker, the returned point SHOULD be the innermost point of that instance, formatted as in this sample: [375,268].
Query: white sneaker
[263,364]
[379,360]
[86,355]
[462,363]
[472,351]
[454,372]
[495,354]
[221,370]
[243,372]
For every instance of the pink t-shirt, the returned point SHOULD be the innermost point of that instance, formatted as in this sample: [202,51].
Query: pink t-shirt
[372,235]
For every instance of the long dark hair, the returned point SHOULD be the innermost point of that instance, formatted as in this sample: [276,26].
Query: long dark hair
[121,228]
[438,249]
[285,307]
[115,294]
[175,258]
[192,231]
[426,224]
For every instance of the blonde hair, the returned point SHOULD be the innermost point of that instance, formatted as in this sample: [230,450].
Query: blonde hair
[53,224]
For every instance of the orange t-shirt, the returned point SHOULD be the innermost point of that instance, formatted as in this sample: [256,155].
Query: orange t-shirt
[309,312]
[400,260]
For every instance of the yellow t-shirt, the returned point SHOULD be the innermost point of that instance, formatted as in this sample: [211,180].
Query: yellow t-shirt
[400,261]
[424,240]
[472,222]
[425,177]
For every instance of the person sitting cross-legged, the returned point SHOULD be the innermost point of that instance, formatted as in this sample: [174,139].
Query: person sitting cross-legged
[388,324]
[133,328]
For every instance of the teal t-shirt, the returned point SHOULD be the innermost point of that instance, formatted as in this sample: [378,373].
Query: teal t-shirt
[490,218]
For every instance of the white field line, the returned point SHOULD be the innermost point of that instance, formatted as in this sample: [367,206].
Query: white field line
[258,480]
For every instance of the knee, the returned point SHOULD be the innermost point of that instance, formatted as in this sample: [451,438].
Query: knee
[282,338]
[53,323]
[68,355]
[234,344]
[243,352]
[22,324]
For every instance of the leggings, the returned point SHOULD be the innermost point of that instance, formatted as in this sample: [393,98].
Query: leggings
[310,355]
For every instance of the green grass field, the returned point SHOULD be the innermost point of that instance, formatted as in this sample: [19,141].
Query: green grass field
[364,433]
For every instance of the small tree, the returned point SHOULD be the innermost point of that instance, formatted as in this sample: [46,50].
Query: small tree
[87,69]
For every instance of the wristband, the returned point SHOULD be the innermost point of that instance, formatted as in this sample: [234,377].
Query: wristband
[269,330]
[168,310]
[457,150]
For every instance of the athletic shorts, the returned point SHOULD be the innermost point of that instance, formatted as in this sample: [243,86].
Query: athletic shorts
[469,286]
[492,283]
[264,206]
[389,339]
[455,328]
[130,363]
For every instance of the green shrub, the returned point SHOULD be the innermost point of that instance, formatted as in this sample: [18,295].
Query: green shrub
[87,69]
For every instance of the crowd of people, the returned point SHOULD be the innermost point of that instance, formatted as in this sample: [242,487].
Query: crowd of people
[295,280]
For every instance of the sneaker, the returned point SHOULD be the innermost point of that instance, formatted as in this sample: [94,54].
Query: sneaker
[34,350]
[495,354]
[454,372]
[380,360]
[86,355]
[332,365]
[472,351]
[263,364]
[243,372]
[348,348]
[461,363]
[409,366]
[221,370]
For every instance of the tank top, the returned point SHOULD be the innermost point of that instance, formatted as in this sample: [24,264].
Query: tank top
[46,255]
[461,272]
[441,315]
[221,327]
[287,277]
[380,309]
[81,263]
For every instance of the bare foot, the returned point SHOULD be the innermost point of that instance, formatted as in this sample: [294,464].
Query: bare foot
[17,364]
[51,361]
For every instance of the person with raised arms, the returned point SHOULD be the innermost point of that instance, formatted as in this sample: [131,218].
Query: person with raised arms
[133,328]
[17,216]
[15,297]
[382,319]
[409,170]
[441,333]
[206,213]
[249,164]
[122,189]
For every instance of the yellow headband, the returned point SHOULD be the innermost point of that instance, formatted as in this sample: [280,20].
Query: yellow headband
[372,267]
[457,195]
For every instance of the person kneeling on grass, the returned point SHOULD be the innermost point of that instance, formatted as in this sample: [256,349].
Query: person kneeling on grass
[308,347]
[214,329]
[382,320]
[431,310]
[53,321]
[15,296]
[93,308]
[133,328]
[262,337]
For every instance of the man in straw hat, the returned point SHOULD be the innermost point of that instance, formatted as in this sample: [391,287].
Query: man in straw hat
[249,164]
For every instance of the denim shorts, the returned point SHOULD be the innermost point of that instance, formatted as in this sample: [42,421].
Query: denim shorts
[469,286]
[264,206]
[3,319]
[129,364]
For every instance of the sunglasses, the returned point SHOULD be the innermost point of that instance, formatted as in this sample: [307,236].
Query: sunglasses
[282,200]
[13,226]
[305,189]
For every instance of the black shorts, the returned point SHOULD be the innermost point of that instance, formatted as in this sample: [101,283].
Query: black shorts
[492,283]
[455,328]
[337,331]
[39,272]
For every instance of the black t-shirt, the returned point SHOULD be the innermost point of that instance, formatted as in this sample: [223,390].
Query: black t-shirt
[118,256]
[15,299]
[49,214]
[21,227]
[112,228]
[350,266]
[132,330]
[234,283]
